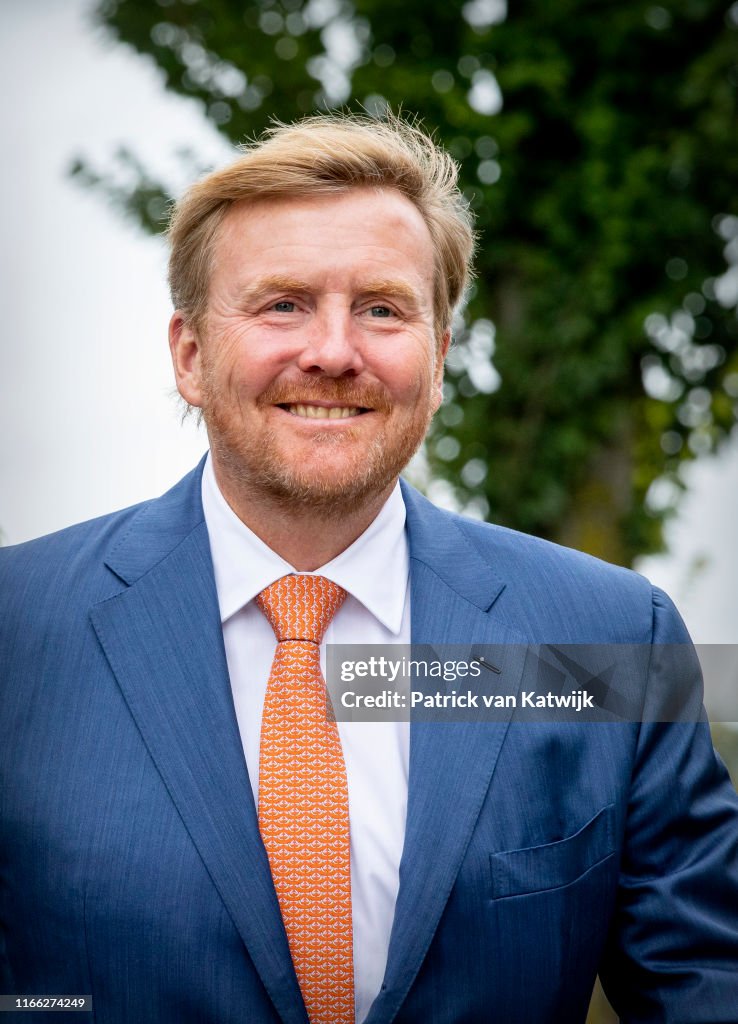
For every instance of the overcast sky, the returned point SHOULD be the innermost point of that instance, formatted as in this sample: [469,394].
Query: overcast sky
[88,424]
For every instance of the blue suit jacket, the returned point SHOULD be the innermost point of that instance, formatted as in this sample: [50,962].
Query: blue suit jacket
[131,866]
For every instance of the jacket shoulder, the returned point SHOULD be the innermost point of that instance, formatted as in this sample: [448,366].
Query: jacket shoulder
[584,599]
[58,566]
[79,563]
[551,593]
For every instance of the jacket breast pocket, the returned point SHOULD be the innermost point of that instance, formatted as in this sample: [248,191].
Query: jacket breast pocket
[554,865]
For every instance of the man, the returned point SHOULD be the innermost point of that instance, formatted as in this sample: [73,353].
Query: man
[186,835]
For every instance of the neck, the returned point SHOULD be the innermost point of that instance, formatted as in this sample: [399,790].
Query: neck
[305,537]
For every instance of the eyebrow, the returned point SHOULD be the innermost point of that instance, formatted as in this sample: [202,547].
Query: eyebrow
[274,283]
[392,289]
[379,287]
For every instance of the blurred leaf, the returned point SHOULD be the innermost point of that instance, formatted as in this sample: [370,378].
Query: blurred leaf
[599,150]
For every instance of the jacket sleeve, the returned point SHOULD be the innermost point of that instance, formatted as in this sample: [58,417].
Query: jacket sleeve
[672,953]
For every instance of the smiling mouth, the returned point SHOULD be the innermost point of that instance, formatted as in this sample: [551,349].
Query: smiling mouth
[324,412]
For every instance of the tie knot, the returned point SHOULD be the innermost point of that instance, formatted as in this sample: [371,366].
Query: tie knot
[301,607]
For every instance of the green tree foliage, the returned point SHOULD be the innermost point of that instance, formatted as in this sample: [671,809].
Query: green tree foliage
[597,139]
[725,738]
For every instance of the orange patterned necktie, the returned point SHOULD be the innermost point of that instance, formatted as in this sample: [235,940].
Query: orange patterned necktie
[303,798]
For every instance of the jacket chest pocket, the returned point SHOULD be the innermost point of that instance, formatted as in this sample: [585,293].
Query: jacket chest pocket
[554,865]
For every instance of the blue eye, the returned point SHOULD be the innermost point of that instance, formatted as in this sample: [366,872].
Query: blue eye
[284,307]
[381,311]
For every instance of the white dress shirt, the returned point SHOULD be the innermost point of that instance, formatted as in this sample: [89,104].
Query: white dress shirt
[374,571]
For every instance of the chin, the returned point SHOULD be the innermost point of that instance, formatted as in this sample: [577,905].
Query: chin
[331,477]
[332,494]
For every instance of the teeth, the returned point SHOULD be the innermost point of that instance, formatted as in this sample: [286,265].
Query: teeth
[320,412]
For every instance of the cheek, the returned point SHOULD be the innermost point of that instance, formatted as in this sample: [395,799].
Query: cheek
[259,355]
[418,394]
[230,369]
[409,375]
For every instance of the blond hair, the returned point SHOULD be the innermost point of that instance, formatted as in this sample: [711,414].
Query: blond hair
[325,154]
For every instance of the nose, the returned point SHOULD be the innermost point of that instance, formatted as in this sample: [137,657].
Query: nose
[331,345]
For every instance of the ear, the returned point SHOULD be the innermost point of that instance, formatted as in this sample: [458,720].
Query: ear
[441,353]
[185,347]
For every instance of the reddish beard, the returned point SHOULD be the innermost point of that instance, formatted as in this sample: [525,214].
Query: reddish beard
[336,484]
[327,389]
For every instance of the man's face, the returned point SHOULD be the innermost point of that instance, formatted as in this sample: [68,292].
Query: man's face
[317,368]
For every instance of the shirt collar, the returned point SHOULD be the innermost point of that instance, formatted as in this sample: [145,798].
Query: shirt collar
[374,569]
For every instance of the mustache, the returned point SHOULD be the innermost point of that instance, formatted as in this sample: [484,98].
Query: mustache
[327,389]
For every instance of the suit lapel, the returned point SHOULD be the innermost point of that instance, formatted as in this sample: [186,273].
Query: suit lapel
[451,763]
[162,637]
[163,640]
